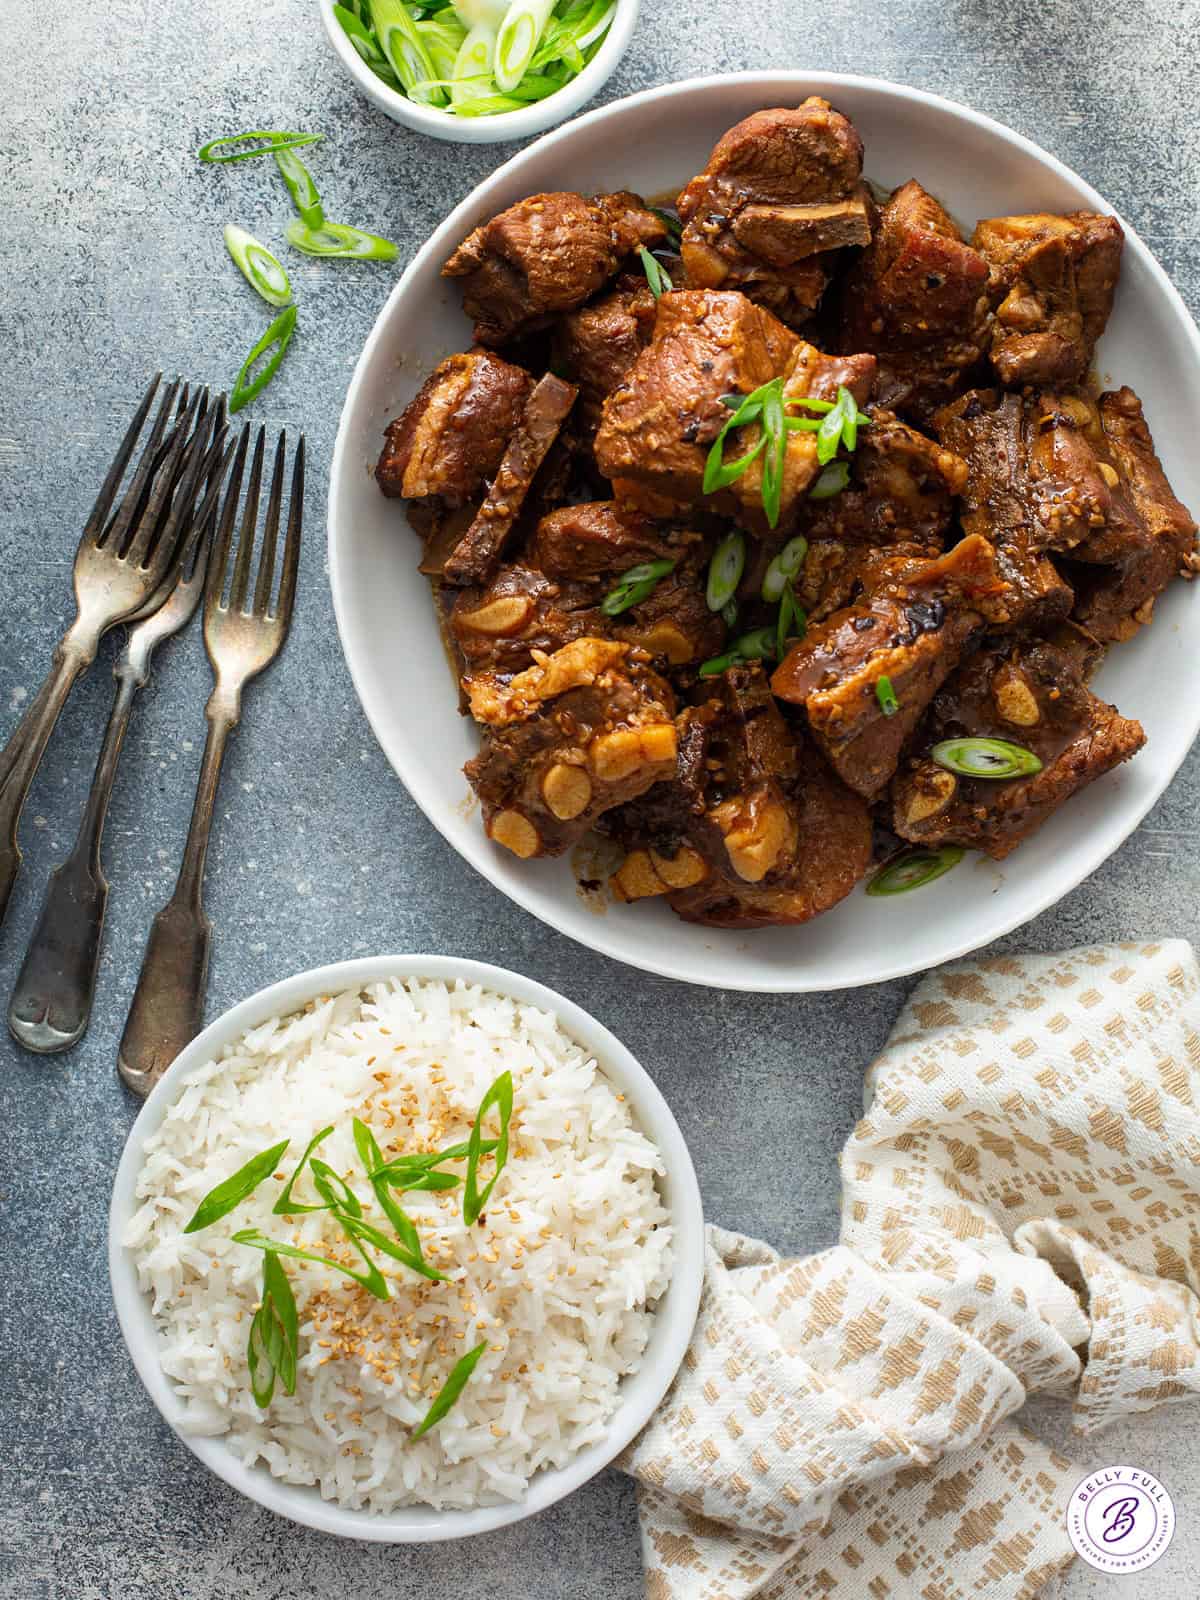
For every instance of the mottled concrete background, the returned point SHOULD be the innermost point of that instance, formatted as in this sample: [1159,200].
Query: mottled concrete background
[111,265]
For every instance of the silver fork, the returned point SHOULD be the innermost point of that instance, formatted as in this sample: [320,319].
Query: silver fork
[121,560]
[242,635]
[51,1003]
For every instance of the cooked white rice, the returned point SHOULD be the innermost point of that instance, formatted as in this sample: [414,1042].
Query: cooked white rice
[560,1276]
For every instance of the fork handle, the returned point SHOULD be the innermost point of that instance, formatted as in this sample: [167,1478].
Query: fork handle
[168,1004]
[52,1000]
[70,659]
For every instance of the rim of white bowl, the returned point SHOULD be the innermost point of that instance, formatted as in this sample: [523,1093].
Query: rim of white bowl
[512,125]
[642,1391]
[453,228]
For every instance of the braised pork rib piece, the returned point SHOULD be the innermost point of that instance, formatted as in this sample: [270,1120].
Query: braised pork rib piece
[1031,694]
[1052,284]
[546,255]
[450,439]
[659,425]
[782,192]
[753,831]
[932,515]
[579,732]
[911,627]
[917,298]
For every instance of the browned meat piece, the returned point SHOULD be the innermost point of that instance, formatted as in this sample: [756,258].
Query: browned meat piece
[451,436]
[545,411]
[1031,488]
[528,608]
[901,490]
[918,298]
[1029,694]
[1052,283]
[659,425]
[581,731]
[596,345]
[1147,536]
[544,255]
[911,626]
[753,832]
[596,540]
[781,193]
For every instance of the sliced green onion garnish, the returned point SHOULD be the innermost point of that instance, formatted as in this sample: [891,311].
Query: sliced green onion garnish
[635,586]
[258,266]
[715,665]
[285,1206]
[274,141]
[517,40]
[219,1202]
[985,758]
[499,1095]
[791,622]
[367,46]
[443,37]
[274,1343]
[396,30]
[670,222]
[372,1279]
[729,613]
[276,339]
[914,868]
[725,570]
[336,241]
[301,188]
[472,71]
[657,275]
[756,645]
[450,1390]
[832,480]
[886,695]
[783,568]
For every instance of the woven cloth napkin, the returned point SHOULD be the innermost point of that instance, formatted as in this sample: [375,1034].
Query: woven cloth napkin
[1021,1214]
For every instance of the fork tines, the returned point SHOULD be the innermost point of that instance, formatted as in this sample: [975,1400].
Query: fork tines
[237,580]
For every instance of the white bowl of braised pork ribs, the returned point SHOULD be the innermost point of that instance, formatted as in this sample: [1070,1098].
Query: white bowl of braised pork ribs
[793,470]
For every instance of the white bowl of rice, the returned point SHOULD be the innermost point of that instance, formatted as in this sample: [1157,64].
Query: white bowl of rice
[579,1283]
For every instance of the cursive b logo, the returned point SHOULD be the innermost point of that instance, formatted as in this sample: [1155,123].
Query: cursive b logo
[1120,1519]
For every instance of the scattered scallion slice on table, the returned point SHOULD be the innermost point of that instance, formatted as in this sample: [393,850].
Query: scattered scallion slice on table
[985,758]
[258,266]
[214,152]
[336,241]
[886,695]
[450,1390]
[636,585]
[301,188]
[219,1202]
[657,275]
[914,868]
[276,340]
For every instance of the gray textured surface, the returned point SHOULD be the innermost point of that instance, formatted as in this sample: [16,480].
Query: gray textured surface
[111,264]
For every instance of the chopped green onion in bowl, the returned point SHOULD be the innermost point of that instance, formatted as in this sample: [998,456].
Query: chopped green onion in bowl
[473,58]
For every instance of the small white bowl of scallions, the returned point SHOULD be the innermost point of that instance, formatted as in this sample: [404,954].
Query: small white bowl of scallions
[479,71]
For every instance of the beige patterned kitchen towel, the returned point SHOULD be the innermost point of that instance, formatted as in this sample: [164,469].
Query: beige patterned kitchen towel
[1021,1214]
